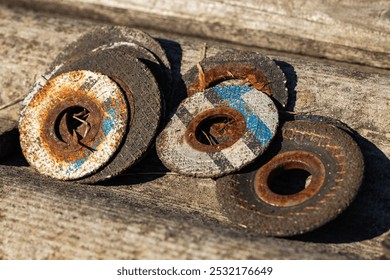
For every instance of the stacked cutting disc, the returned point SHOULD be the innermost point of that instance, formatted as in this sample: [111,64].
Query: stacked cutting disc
[289,173]
[98,109]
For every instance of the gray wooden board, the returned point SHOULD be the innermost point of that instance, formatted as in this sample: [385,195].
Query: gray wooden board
[346,30]
[41,218]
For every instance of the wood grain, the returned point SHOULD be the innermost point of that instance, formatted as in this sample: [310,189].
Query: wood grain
[169,216]
[93,222]
[344,30]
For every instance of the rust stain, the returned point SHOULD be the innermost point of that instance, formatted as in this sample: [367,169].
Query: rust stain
[220,128]
[65,139]
[201,77]
[229,71]
[300,160]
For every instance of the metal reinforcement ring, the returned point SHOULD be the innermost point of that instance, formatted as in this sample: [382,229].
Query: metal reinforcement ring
[72,126]
[218,131]
[269,184]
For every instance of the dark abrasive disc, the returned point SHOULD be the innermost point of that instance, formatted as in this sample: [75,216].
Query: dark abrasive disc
[306,182]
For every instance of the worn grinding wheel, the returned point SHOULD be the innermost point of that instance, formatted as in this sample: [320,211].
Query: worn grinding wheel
[73,125]
[144,103]
[313,177]
[218,131]
[256,69]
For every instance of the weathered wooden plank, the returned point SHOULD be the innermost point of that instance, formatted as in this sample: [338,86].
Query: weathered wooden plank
[345,30]
[29,41]
[49,220]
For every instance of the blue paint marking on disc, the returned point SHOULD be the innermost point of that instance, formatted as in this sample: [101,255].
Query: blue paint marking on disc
[76,165]
[178,144]
[233,94]
[109,123]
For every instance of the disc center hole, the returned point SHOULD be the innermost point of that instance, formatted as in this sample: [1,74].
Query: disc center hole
[286,181]
[72,124]
[216,130]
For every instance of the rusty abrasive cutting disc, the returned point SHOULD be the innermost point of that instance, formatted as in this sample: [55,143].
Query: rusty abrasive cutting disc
[218,131]
[295,188]
[256,69]
[72,126]
[144,101]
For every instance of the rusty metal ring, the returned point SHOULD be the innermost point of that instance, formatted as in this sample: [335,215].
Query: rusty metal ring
[60,119]
[238,123]
[253,68]
[225,125]
[276,167]
[92,103]
[327,171]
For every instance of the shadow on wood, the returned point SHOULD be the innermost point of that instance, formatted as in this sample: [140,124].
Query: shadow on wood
[368,215]
[291,82]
